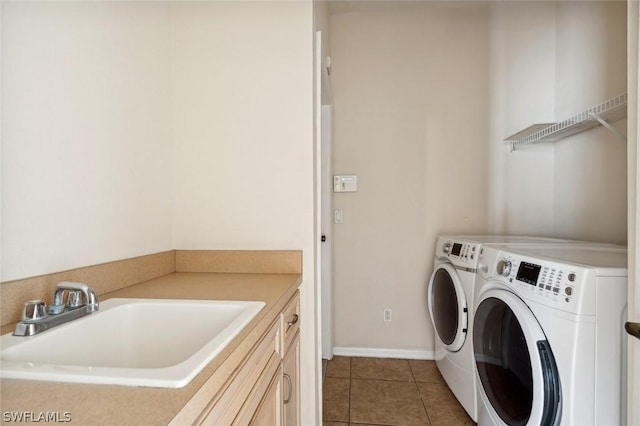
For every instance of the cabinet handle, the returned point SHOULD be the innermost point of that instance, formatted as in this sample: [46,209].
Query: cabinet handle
[293,321]
[288,398]
[633,328]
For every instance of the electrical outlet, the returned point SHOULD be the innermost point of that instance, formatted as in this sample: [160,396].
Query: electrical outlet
[387,315]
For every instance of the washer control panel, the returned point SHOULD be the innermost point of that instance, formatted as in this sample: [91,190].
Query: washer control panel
[461,252]
[547,282]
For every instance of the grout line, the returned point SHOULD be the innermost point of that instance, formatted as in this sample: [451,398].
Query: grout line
[350,389]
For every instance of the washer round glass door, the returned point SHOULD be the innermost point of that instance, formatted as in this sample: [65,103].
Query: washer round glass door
[448,306]
[514,361]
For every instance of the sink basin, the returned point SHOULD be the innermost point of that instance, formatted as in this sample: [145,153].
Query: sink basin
[136,342]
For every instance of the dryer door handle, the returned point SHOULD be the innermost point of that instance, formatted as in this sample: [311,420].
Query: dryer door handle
[633,328]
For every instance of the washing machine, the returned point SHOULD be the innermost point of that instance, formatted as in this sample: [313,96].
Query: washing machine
[548,337]
[450,301]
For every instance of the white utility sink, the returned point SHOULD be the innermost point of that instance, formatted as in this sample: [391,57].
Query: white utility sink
[136,342]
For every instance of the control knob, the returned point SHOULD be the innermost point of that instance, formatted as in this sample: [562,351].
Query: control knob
[446,247]
[504,267]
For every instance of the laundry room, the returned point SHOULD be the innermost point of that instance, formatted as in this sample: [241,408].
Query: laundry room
[424,95]
[311,159]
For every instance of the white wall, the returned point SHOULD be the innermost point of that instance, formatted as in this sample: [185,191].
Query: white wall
[241,106]
[86,145]
[242,115]
[522,79]
[132,128]
[590,171]
[550,61]
[410,120]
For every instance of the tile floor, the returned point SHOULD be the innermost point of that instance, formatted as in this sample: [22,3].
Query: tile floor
[375,391]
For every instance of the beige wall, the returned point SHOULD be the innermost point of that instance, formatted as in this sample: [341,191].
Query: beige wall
[86,145]
[427,92]
[410,89]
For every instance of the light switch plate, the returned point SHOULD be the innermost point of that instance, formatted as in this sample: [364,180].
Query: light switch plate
[345,183]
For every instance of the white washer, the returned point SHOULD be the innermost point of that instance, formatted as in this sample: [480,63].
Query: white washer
[450,300]
[548,335]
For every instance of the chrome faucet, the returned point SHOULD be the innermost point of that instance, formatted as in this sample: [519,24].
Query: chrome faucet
[81,300]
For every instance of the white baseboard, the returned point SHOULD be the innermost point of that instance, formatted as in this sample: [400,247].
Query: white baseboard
[384,353]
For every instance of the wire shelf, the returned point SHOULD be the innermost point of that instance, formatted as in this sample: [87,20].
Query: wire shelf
[609,111]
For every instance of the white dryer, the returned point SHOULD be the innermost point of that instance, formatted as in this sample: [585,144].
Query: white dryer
[450,301]
[548,335]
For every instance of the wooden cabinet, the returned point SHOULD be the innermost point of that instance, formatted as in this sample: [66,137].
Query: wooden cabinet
[270,410]
[264,406]
[265,389]
[291,384]
[291,363]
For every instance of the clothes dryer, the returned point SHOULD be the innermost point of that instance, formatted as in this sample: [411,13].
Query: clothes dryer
[548,335]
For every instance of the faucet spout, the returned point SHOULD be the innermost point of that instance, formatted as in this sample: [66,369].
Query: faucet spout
[90,300]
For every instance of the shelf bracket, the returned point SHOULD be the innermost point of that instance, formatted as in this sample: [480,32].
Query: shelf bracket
[608,126]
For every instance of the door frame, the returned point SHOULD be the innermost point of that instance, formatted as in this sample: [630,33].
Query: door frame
[323,202]
[633,217]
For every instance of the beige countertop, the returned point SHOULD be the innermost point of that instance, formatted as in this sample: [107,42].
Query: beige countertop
[128,405]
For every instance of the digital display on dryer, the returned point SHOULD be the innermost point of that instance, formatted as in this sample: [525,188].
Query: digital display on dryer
[528,273]
[455,250]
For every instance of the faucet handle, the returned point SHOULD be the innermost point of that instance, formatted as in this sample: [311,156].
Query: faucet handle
[34,310]
[75,299]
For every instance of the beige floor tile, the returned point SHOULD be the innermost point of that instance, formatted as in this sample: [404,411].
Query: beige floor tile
[386,402]
[335,399]
[425,371]
[339,366]
[442,406]
[381,369]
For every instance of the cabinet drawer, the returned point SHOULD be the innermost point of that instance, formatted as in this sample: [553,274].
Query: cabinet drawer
[225,408]
[290,321]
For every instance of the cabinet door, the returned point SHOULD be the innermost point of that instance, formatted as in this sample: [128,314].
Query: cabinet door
[291,384]
[269,413]
[264,404]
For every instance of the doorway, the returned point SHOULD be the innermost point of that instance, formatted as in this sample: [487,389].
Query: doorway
[324,208]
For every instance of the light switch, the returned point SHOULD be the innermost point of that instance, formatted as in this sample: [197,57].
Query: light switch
[338,216]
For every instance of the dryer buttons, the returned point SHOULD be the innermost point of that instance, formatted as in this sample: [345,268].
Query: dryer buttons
[572,277]
[568,291]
